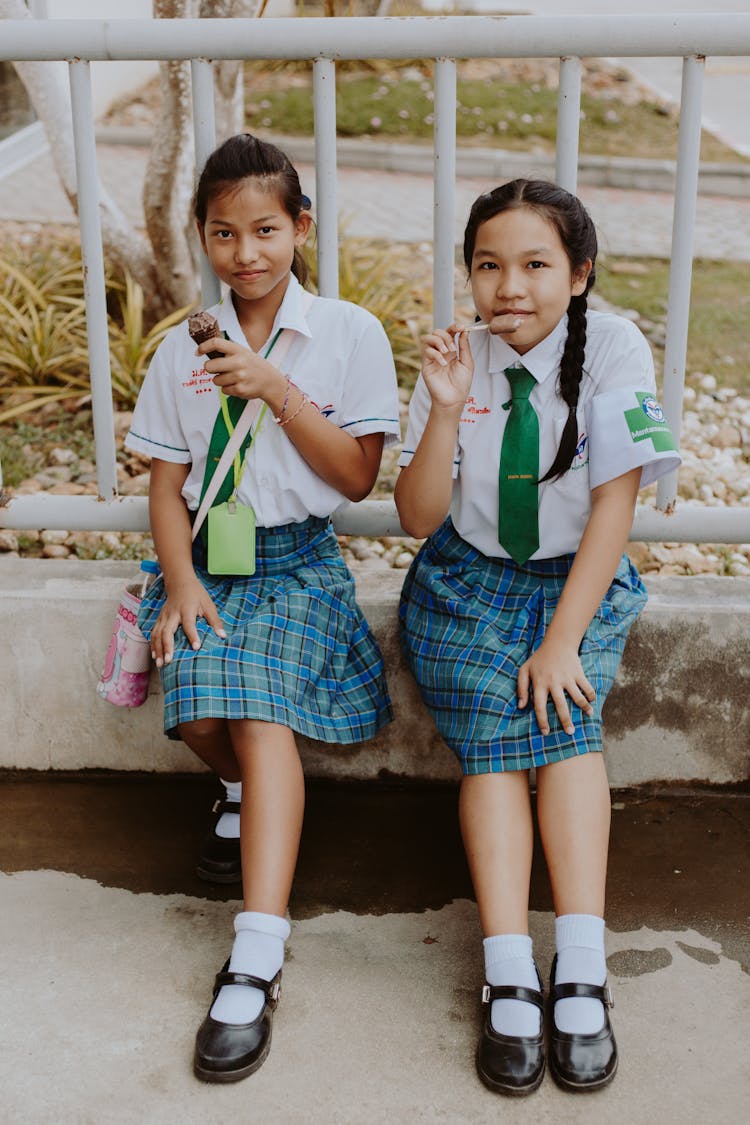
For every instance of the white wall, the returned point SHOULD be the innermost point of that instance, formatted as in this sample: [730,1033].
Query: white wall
[108,80]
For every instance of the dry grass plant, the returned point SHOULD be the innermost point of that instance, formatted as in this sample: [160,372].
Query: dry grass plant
[130,347]
[44,353]
[388,281]
[43,344]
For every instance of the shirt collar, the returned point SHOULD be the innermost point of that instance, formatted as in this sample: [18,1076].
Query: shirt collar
[290,314]
[541,361]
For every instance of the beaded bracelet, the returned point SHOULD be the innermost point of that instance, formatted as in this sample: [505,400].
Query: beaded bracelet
[303,402]
[277,418]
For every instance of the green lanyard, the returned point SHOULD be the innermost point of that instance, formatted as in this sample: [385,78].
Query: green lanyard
[220,436]
[240,459]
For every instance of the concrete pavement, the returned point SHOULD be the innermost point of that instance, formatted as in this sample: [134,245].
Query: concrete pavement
[110,944]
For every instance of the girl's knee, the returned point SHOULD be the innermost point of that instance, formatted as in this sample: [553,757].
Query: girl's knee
[202,730]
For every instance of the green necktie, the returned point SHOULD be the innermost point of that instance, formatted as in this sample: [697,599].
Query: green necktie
[518,514]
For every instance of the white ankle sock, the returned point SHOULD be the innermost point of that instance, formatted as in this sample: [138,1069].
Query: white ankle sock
[258,950]
[580,960]
[508,960]
[228,824]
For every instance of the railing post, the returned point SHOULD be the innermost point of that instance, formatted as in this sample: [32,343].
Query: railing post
[438,40]
[568,123]
[94,290]
[680,274]
[324,102]
[204,131]
[444,218]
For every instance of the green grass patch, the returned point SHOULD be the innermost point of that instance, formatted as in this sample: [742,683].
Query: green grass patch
[25,443]
[489,112]
[719,325]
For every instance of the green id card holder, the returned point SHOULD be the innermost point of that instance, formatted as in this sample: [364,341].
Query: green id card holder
[231,539]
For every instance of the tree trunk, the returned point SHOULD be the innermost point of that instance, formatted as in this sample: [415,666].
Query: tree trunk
[170,176]
[47,85]
[165,265]
[229,93]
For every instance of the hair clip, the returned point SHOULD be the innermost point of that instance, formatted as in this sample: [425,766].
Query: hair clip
[306,202]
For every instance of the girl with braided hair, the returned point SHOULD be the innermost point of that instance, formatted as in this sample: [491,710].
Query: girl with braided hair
[529,436]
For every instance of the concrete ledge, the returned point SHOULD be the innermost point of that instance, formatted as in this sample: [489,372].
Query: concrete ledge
[679,711]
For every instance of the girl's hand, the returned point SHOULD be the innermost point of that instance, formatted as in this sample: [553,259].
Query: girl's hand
[239,371]
[185,602]
[555,670]
[447,366]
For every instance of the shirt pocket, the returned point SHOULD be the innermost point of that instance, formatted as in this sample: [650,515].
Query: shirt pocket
[569,492]
[579,464]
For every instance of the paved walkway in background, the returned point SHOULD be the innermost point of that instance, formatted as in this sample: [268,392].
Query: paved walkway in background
[399,206]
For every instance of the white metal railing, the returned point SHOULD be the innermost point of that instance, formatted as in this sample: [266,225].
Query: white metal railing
[323,41]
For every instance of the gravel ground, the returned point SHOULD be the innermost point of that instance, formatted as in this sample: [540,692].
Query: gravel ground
[715,448]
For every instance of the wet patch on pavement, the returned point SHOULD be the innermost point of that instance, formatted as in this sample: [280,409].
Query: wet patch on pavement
[677,860]
[634,963]
[705,956]
[375,1025]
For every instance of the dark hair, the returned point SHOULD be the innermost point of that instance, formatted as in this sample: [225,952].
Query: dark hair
[573,224]
[243,157]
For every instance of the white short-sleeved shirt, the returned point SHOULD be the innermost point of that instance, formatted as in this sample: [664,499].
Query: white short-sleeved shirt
[620,427]
[340,358]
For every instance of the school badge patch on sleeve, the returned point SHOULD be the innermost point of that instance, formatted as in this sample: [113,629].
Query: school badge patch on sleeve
[646,422]
[627,429]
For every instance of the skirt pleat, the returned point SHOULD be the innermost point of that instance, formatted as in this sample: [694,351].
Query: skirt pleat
[468,622]
[298,652]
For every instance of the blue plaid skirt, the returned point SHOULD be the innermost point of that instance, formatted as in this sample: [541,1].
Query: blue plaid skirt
[298,650]
[468,623]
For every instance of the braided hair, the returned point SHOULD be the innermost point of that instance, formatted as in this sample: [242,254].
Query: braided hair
[245,157]
[570,219]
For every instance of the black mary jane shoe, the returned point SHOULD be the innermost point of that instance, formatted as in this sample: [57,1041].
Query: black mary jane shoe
[219,858]
[510,1064]
[227,1052]
[581,1062]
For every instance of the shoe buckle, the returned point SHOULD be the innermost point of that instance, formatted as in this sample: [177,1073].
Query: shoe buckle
[216,805]
[274,992]
[485,994]
[609,1001]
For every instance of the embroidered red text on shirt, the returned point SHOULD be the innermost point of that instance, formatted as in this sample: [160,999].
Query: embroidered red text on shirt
[201,382]
[472,408]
